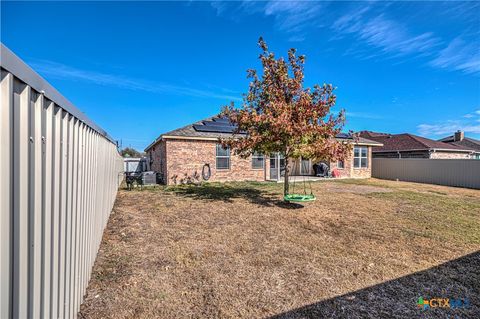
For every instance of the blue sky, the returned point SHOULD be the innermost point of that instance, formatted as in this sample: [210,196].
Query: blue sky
[140,69]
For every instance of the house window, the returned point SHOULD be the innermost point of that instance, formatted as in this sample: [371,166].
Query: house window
[223,157]
[340,165]
[257,160]
[360,157]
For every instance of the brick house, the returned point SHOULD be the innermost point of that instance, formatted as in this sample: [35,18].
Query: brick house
[413,146]
[193,151]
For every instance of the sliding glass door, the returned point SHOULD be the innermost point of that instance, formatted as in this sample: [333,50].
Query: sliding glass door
[277,166]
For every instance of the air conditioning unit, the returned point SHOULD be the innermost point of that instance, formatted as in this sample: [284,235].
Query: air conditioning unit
[148,178]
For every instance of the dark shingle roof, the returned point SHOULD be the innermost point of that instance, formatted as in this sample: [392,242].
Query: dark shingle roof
[467,142]
[406,141]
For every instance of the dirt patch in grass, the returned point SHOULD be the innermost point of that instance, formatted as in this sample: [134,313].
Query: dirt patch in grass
[355,189]
[365,248]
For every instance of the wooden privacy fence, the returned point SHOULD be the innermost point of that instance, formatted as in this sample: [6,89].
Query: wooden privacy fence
[59,175]
[449,172]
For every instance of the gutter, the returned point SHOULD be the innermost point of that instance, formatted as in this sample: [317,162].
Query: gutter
[176,137]
[369,144]
[200,138]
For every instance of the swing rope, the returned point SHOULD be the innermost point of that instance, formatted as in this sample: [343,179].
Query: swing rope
[294,169]
[292,197]
[309,183]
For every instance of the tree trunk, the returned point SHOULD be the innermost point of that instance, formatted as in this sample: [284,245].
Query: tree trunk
[285,184]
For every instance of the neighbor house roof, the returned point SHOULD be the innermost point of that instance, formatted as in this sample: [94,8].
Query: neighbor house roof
[193,131]
[466,142]
[409,142]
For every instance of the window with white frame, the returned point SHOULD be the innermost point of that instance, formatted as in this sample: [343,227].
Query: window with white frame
[257,160]
[360,157]
[223,157]
[340,165]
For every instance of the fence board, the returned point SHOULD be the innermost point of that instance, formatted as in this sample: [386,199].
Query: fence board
[47,132]
[35,211]
[449,172]
[6,135]
[20,199]
[56,190]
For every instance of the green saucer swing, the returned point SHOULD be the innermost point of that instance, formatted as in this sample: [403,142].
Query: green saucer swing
[295,197]
[299,198]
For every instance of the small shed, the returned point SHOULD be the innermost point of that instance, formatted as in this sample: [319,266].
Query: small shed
[135,164]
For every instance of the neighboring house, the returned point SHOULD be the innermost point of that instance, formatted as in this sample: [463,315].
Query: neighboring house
[193,151]
[413,146]
[459,139]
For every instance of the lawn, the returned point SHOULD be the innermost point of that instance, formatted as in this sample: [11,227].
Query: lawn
[365,248]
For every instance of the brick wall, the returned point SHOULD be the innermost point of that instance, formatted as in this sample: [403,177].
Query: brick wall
[187,157]
[449,155]
[347,164]
[157,156]
[349,171]
[179,158]
[362,172]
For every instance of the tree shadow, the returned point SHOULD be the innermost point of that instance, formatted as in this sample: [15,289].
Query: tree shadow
[457,279]
[227,193]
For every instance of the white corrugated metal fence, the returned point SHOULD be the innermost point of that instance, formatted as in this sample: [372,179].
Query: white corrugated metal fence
[449,172]
[59,175]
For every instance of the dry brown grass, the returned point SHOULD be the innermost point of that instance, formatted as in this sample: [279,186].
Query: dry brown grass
[365,248]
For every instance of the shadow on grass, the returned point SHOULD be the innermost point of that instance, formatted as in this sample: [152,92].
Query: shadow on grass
[457,279]
[229,192]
